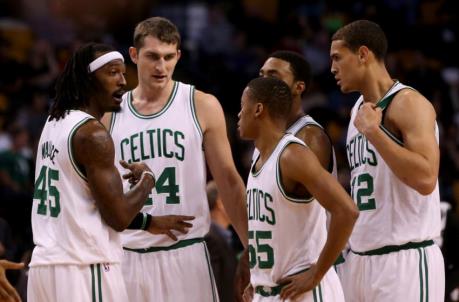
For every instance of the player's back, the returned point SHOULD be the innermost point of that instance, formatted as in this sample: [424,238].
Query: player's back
[391,213]
[170,142]
[67,225]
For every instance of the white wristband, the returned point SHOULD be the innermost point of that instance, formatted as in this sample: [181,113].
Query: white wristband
[148,173]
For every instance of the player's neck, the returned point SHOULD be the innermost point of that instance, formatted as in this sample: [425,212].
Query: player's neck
[376,85]
[151,94]
[295,113]
[267,142]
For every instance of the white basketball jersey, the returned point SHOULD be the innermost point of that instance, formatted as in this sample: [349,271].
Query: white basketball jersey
[391,213]
[170,143]
[286,234]
[66,223]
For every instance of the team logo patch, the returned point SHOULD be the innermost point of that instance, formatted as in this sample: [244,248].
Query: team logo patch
[106,267]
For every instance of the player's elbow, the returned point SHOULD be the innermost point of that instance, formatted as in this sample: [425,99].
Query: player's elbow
[117,222]
[353,213]
[426,187]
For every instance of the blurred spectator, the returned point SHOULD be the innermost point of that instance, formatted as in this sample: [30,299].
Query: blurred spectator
[218,240]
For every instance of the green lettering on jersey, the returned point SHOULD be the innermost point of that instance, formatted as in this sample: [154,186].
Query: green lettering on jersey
[258,204]
[44,184]
[360,153]
[153,143]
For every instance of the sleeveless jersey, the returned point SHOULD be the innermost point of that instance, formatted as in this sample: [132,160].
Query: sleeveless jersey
[66,223]
[286,235]
[170,143]
[391,213]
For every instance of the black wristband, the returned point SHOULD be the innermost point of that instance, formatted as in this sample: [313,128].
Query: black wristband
[141,221]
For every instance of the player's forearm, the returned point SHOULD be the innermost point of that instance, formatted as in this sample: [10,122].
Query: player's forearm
[120,217]
[405,163]
[233,198]
[137,196]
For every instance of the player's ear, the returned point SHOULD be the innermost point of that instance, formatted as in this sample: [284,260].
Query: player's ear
[259,109]
[133,54]
[363,53]
[179,54]
[300,87]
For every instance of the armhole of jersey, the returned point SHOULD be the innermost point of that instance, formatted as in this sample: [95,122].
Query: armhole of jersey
[279,179]
[193,111]
[112,122]
[70,147]
[384,107]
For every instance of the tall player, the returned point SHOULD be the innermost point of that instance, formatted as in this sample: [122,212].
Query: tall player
[290,252]
[392,147]
[295,71]
[176,130]
[79,203]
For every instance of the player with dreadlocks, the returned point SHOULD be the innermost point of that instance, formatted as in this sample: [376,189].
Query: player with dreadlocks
[79,205]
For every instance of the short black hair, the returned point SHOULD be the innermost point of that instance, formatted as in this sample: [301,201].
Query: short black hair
[273,93]
[300,67]
[76,85]
[363,33]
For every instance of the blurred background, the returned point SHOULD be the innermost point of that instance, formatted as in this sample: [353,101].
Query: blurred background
[224,44]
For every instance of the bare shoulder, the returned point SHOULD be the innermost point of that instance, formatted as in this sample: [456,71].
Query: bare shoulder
[208,110]
[408,102]
[92,143]
[106,119]
[206,100]
[312,135]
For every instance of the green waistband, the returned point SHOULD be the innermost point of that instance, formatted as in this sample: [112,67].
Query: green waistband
[395,248]
[178,245]
[267,291]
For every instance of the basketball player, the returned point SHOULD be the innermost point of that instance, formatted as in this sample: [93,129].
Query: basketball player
[295,71]
[290,252]
[79,203]
[7,291]
[392,148]
[176,130]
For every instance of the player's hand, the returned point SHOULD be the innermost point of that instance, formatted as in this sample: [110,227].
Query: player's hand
[296,285]
[7,291]
[242,276]
[165,225]
[248,293]
[368,118]
[135,171]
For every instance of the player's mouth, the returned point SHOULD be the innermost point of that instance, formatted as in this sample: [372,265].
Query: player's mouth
[117,95]
[160,77]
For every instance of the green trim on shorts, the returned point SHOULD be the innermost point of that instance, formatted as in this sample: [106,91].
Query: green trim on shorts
[93,283]
[395,248]
[423,275]
[178,245]
[317,296]
[99,282]
[426,271]
[211,274]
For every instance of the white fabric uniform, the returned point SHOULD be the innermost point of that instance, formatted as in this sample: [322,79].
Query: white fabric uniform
[170,143]
[68,230]
[286,234]
[391,214]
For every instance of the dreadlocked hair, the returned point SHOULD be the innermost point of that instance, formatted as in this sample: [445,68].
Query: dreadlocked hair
[75,85]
